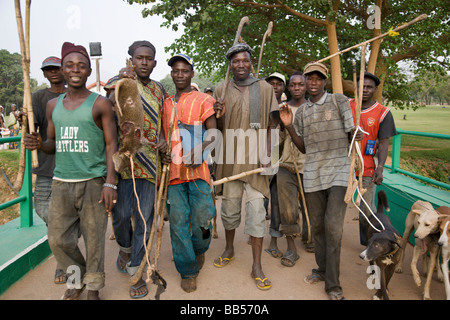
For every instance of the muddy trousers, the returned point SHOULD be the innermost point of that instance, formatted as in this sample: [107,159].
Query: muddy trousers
[74,211]
[326,213]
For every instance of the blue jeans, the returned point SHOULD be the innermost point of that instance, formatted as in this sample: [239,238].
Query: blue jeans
[191,208]
[126,206]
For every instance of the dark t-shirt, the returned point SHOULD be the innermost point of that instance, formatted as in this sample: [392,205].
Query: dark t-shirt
[387,127]
[39,101]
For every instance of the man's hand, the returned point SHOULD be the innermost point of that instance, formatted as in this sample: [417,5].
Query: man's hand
[359,135]
[219,107]
[377,177]
[163,149]
[32,141]
[286,115]
[109,198]
[127,72]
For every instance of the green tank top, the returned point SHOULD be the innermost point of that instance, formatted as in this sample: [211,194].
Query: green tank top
[80,151]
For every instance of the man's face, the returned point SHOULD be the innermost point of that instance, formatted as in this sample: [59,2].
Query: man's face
[315,84]
[297,87]
[241,65]
[182,74]
[76,69]
[144,62]
[278,86]
[54,74]
[369,89]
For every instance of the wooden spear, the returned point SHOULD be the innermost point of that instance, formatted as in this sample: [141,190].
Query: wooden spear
[267,34]
[403,26]
[244,21]
[24,39]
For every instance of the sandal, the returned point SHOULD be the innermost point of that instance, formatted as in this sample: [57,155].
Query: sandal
[313,278]
[335,295]
[274,253]
[262,284]
[222,262]
[289,258]
[138,286]
[121,260]
[73,294]
[60,276]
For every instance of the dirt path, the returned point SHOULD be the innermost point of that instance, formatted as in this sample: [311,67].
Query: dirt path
[234,282]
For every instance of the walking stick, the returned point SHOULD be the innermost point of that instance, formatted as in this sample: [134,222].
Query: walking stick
[237,176]
[24,39]
[162,191]
[244,21]
[267,34]
[302,194]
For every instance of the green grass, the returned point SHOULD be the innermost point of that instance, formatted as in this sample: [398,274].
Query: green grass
[429,157]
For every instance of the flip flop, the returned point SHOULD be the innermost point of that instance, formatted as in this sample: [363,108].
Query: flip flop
[60,273]
[122,260]
[261,283]
[223,262]
[313,278]
[290,256]
[274,253]
[75,296]
[136,287]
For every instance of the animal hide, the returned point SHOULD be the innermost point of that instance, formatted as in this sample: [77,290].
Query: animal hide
[130,114]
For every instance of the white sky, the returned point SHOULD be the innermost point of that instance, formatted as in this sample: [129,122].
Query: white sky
[114,23]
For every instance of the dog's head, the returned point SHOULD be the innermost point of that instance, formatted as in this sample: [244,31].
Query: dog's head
[381,245]
[444,229]
[426,219]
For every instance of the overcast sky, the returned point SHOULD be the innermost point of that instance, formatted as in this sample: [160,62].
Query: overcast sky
[114,23]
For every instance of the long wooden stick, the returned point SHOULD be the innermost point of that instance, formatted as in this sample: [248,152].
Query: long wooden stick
[403,26]
[244,21]
[24,40]
[237,176]
[267,34]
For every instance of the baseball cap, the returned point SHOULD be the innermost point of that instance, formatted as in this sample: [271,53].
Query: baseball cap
[278,76]
[181,56]
[371,76]
[316,66]
[51,62]
[208,89]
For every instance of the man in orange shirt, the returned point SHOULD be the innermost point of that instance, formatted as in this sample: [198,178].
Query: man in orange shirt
[189,202]
[378,122]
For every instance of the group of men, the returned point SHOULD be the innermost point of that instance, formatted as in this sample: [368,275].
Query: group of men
[77,187]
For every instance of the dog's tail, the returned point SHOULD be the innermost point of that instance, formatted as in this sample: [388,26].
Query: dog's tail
[382,202]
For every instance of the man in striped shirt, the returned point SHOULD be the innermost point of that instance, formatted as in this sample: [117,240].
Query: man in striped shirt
[190,205]
[321,130]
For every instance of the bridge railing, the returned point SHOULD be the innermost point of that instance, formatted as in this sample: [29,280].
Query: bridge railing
[396,147]
[25,197]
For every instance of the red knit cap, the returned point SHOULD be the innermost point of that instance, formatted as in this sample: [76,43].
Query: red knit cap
[68,47]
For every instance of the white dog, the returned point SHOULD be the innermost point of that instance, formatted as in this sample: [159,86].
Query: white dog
[444,242]
[425,221]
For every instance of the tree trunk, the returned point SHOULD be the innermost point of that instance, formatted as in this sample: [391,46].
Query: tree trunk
[336,77]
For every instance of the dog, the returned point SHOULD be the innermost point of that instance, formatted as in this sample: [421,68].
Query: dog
[444,243]
[425,221]
[382,247]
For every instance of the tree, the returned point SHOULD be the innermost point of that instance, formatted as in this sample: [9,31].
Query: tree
[310,30]
[11,80]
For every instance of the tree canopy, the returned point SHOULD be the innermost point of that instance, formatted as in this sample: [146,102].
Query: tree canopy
[309,30]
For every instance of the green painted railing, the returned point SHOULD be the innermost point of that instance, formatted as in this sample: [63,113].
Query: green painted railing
[396,146]
[26,192]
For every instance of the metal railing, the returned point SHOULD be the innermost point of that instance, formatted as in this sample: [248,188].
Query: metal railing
[26,192]
[396,146]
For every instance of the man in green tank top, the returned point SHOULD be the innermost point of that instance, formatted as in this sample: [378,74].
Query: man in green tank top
[82,134]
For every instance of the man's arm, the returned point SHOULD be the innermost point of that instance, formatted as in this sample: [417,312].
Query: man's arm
[34,141]
[287,117]
[108,123]
[377,177]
